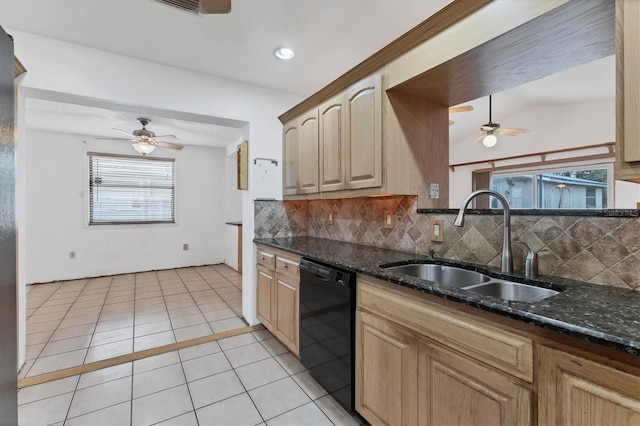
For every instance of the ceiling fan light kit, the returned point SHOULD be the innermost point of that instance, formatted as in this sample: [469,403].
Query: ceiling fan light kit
[145,141]
[143,148]
[489,140]
[490,131]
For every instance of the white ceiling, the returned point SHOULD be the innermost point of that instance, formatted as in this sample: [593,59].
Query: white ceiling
[329,36]
[589,83]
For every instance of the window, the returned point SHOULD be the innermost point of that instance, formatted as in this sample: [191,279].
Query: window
[572,186]
[130,190]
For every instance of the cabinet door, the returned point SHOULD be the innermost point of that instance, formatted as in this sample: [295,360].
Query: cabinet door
[290,158]
[266,284]
[386,371]
[287,311]
[332,148]
[576,391]
[456,390]
[308,155]
[364,134]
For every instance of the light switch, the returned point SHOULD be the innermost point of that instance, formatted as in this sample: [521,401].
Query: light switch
[437,230]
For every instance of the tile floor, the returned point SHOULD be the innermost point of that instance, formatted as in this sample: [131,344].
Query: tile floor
[70,323]
[248,379]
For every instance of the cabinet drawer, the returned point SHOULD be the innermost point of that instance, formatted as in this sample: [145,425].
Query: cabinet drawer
[288,265]
[501,349]
[266,258]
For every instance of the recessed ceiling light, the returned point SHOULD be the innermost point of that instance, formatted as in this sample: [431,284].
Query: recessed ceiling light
[284,53]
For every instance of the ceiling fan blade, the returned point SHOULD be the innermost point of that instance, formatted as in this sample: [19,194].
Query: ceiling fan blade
[480,138]
[168,145]
[451,122]
[513,130]
[124,131]
[172,137]
[118,139]
[215,6]
[463,108]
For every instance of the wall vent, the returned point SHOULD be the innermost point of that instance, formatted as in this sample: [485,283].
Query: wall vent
[192,6]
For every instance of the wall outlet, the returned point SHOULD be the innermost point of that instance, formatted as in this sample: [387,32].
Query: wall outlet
[185,247]
[389,221]
[434,190]
[330,219]
[437,230]
[72,255]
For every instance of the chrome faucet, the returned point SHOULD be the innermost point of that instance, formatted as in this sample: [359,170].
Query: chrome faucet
[531,262]
[507,260]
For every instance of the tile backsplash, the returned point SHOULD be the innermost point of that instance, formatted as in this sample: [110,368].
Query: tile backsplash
[602,250]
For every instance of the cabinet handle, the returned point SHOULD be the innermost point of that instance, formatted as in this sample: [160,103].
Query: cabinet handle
[286,266]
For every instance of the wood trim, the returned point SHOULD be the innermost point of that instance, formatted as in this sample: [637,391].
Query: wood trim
[543,154]
[105,363]
[18,68]
[441,20]
[549,162]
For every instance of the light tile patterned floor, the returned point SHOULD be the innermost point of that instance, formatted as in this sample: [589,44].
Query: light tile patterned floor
[248,379]
[70,323]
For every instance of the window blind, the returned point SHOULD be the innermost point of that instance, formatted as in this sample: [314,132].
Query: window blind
[130,190]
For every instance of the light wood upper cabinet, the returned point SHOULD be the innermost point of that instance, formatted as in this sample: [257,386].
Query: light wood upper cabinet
[628,90]
[308,153]
[364,134]
[576,391]
[455,390]
[290,158]
[332,144]
[386,372]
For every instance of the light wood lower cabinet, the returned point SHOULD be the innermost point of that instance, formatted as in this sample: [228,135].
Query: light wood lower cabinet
[418,364]
[404,379]
[576,391]
[266,292]
[386,369]
[455,390]
[287,311]
[278,295]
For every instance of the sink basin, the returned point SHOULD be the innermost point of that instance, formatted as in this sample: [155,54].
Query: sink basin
[508,290]
[449,276]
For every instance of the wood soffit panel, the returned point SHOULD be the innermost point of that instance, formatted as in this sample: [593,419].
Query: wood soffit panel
[443,19]
[573,34]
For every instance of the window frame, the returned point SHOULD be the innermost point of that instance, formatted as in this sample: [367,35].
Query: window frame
[115,223]
[483,178]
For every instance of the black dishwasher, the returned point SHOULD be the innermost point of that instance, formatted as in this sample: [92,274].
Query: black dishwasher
[327,328]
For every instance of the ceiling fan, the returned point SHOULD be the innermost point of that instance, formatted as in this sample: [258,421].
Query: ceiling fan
[145,141]
[491,130]
[462,108]
[204,7]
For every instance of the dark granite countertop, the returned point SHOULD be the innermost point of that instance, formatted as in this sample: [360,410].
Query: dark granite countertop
[604,315]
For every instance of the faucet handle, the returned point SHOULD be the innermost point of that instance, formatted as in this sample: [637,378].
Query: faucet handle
[531,262]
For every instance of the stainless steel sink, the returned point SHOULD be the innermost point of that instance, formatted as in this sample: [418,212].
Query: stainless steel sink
[449,276]
[508,290]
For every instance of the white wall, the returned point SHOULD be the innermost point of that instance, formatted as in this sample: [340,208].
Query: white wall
[551,127]
[56,209]
[64,71]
